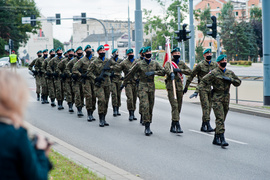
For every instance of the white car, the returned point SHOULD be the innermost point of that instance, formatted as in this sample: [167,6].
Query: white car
[4,62]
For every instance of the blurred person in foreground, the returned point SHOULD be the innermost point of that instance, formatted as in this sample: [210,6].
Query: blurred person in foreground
[19,158]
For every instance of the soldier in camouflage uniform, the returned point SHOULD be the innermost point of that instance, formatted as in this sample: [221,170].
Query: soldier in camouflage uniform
[98,71]
[43,80]
[116,84]
[66,80]
[48,76]
[76,83]
[52,69]
[203,68]
[30,67]
[80,70]
[176,75]
[130,86]
[221,80]
[146,71]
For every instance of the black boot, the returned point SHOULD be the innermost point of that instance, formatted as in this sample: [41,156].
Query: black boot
[134,118]
[79,113]
[60,105]
[101,121]
[178,127]
[118,114]
[90,115]
[46,99]
[216,140]
[203,128]
[222,140]
[43,99]
[147,130]
[209,128]
[70,107]
[38,97]
[114,111]
[52,102]
[105,123]
[131,115]
[173,129]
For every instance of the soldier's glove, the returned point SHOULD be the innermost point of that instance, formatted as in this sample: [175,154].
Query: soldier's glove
[107,68]
[74,76]
[63,76]
[226,78]
[122,87]
[185,90]
[122,78]
[48,74]
[55,74]
[112,74]
[176,70]
[84,76]
[99,79]
[172,76]
[35,72]
[193,95]
[150,73]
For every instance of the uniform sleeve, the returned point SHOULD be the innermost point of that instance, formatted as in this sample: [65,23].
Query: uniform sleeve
[44,66]
[131,73]
[38,65]
[76,67]
[192,75]
[235,80]
[31,65]
[90,71]
[167,68]
[185,70]
[206,80]
[49,66]
[159,70]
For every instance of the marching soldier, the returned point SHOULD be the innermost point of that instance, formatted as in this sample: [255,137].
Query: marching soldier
[66,54]
[30,67]
[43,80]
[80,70]
[98,71]
[52,68]
[116,84]
[202,69]
[50,82]
[179,68]
[146,70]
[66,80]
[221,79]
[76,84]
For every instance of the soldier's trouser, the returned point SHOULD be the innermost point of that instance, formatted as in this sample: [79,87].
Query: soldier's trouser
[220,109]
[206,104]
[89,94]
[103,95]
[131,93]
[147,102]
[59,89]
[116,93]
[78,93]
[51,88]
[44,85]
[140,101]
[69,91]
[176,104]
[38,84]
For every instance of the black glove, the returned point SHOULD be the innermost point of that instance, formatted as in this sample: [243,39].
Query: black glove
[99,79]
[122,78]
[176,70]
[193,95]
[226,78]
[48,74]
[63,76]
[185,90]
[83,76]
[150,73]
[55,74]
[122,87]
[74,76]
[172,76]
[35,72]
[108,68]
[112,74]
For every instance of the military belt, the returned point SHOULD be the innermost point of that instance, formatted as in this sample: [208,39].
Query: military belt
[147,80]
[220,91]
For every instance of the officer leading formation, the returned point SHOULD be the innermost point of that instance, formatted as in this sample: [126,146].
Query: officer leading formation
[86,80]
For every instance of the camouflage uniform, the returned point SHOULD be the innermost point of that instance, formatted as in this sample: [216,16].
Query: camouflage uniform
[43,80]
[37,77]
[50,82]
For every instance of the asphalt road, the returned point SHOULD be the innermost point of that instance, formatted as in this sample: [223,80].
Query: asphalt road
[163,155]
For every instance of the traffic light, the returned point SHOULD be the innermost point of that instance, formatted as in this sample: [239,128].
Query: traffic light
[11,44]
[212,26]
[33,20]
[179,36]
[185,33]
[83,18]
[58,19]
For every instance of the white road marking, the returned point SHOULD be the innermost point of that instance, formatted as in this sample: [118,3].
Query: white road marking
[211,135]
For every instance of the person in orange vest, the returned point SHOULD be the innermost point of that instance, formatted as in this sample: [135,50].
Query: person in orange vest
[13,58]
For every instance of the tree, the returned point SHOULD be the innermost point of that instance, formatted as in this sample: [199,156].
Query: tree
[57,44]
[256,24]
[2,47]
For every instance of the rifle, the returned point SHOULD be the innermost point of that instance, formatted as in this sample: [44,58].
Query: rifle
[104,72]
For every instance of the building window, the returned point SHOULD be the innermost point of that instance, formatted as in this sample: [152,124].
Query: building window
[208,5]
[217,15]
[217,7]
[236,13]
[253,5]
[87,33]
[210,44]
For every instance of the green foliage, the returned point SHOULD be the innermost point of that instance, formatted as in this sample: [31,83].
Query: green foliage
[256,13]
[160,82]
[2,47]
[57,44]
[199,52]
[241,63]
[204,18]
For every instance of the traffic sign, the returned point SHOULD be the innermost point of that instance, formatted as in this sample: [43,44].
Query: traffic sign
[106,47]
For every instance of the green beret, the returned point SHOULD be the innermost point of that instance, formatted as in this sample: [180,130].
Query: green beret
[39,52]
[100,47]
[45,50]
[93,50]
[221,57]
[141,50]
[65,52]
[114,51]
[79,48]
[207,51]
[70,50]
[129,51]
[86,47]
[177,49]
[147,49]
[51,51]
[58,49]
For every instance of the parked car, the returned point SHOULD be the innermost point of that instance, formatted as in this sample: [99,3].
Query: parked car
[4,62]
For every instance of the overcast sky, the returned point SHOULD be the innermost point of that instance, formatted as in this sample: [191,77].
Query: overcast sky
[101,9]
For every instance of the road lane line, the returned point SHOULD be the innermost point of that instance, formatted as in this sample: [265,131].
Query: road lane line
[211,135]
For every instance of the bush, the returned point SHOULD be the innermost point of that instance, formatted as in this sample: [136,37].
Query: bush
[241,62]
[233,63]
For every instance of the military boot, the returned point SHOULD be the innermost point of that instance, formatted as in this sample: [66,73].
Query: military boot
[105,123]
[101,120]
[117,108]
[70,107]
[60,105]
[52,102]
[178,127]
[173,129]
[46,99]
[38,97]
[147,130]
[114,111]
[134,118]
[43,99]
[203,128]
[131,115]
[209,128]
[222,140]
[79,113]
[90,115]
[216,140]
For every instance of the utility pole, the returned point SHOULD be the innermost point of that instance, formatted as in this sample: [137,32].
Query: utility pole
[191,42]
[129,43]
[179,28]
[266,51]
[218,45]
[112,39]
[138,27]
